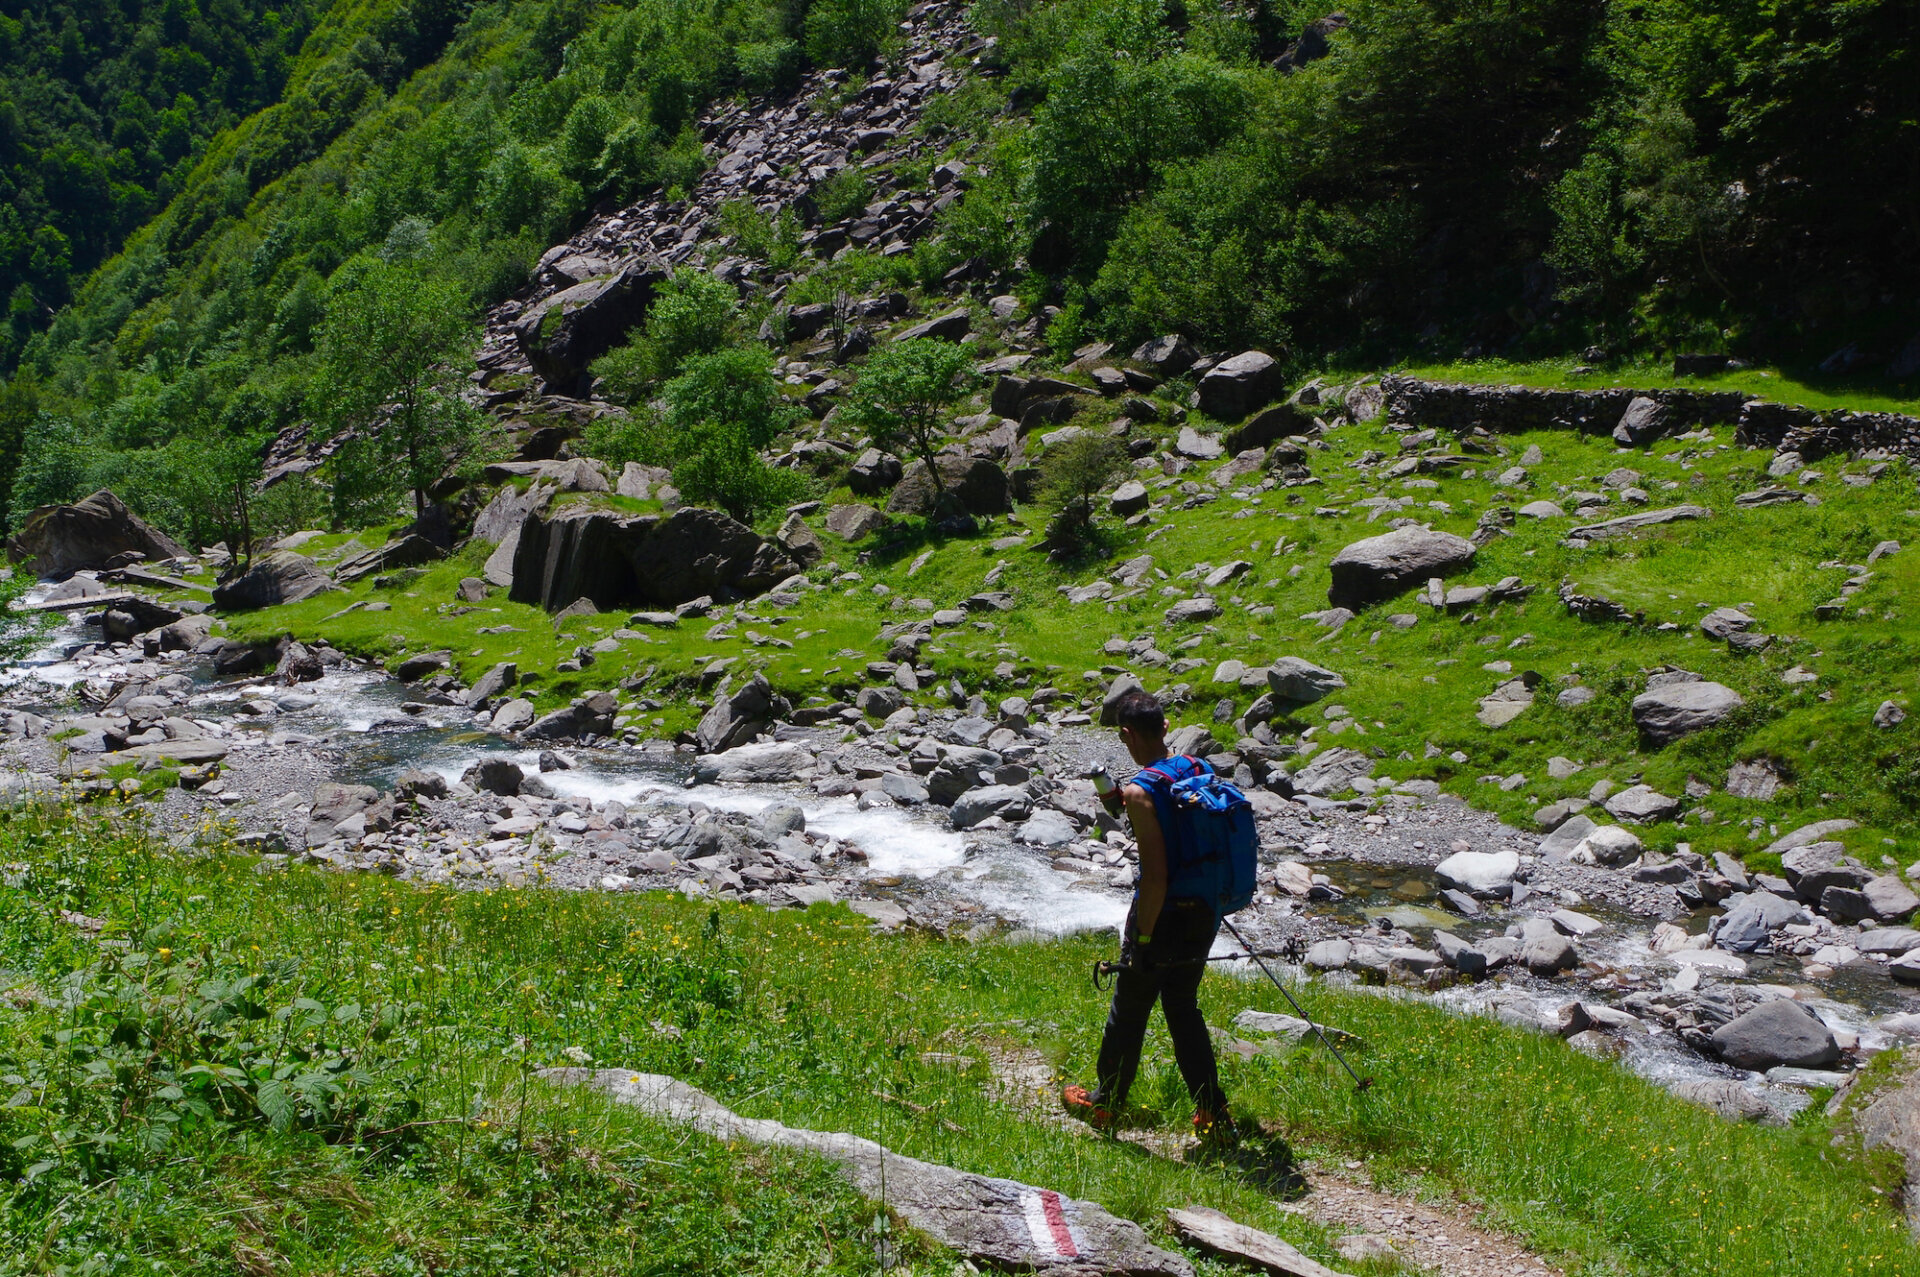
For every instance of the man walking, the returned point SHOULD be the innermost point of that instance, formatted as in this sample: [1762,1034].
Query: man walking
[1162,944]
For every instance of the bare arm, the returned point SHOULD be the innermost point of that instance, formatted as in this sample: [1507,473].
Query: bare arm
[1152,892]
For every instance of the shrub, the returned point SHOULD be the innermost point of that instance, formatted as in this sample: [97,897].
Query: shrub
[735,385]
[850,33]
[720,464]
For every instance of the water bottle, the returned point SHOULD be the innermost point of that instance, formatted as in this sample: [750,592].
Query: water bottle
[1103,785]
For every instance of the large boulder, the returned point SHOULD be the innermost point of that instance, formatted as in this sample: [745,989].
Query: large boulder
[282,577]
[1269,427]
[1780,1032]
[760,763]
[1752,919]
[1479,873]
[565,333]
[1009,802]
[851,522]
[409,551]
[873,472]
[737,718]
[1665,714]
[1234,387]
[646,560]
[1381,567]
[58,540]
[1301,682]
[978,485]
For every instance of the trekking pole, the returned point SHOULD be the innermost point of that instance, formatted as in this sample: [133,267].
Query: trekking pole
[1360,1083]
[1110,969]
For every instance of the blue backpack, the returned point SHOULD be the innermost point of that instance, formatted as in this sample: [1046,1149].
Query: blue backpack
[1213,849]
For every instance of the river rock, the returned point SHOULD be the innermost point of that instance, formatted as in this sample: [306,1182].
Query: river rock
[761,763]
[1481,873]
[737,718]
[1331,771]
[281,577]
[1329,955]
[58,540]
[494,776]
[1890,900]
[1665,714]
[590,715]
[514,716]
[1775,1033]
[1000,1223]
[1006,801]
[1381,567]
[1748,922]
[1547,955]
[1047,828]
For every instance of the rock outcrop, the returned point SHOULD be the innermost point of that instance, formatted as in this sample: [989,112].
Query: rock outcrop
[59,540]
[282,577]
[644,560]
[565,333]
[998,1222]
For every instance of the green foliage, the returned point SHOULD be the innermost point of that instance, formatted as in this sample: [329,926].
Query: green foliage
[850,33]
[735,385]
[55,466]
[103,112]
[903,394]
[637,435]
[843,194]
[392,354]
[693,314]
[720,464]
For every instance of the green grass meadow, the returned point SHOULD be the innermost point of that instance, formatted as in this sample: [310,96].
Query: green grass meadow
[295,1071]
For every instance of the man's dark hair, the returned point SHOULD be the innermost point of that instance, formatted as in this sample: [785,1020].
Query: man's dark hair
[1141,711]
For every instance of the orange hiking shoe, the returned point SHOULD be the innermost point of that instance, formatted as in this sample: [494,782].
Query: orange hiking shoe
[1079,1103]
[1216,1130]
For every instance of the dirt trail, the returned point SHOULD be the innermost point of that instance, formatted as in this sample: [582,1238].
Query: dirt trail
[1438,1237]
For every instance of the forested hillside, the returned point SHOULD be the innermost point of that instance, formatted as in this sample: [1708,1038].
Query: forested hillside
[1402,178]
[103,110]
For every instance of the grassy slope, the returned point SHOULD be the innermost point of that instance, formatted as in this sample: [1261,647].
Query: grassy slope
[1807,387]
[1408,688]
[809,1018]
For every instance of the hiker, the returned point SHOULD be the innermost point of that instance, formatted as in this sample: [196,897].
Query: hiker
[1166,938]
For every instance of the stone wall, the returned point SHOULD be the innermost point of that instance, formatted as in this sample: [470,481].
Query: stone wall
[1757,423]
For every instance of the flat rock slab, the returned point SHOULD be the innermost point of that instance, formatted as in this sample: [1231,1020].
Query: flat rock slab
[177,751]
[1219,1235]
[1000,1221]
[1633,522]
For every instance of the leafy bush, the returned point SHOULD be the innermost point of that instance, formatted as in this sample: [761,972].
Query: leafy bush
[719,464]
[843,194]
[903,394]
[850,33]
[735,385]
[160,1048]
[693,314]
